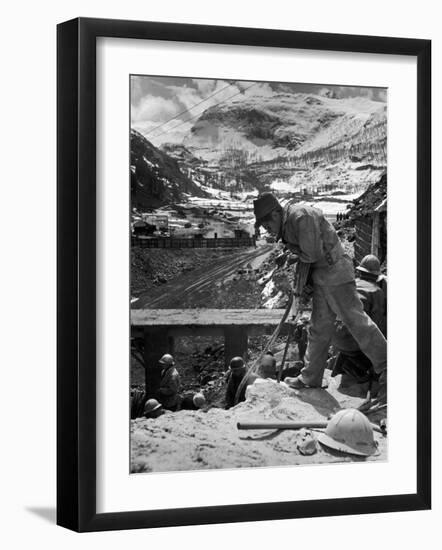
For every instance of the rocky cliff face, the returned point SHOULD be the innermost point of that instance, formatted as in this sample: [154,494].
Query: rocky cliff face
[156,178]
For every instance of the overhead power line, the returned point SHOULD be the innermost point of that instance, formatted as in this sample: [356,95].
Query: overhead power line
[199,114]
[188,109]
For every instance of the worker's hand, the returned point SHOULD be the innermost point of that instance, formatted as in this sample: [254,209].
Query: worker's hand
[292,259]
[281,259]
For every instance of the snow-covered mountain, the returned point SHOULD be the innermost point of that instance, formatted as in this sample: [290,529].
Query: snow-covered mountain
[298,140]
[289,125]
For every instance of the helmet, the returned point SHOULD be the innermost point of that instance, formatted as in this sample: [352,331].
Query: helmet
[263,205]
[151,405]
[167,360]
[199,400]
[236,363]
[268,365]
[370,264]
[349,431]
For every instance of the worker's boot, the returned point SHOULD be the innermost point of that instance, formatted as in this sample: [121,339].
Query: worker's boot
[299,384]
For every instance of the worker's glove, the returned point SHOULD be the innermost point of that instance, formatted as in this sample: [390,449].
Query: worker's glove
[292,259]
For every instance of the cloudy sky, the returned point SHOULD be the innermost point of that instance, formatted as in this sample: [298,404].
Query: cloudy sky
[165,108]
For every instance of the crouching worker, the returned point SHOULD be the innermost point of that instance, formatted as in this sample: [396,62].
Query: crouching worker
[267,368]
[168,392]
[350,359]
[192,401]
[153,409]
[236,374]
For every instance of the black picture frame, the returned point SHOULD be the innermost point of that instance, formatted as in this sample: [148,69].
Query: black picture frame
[76,273]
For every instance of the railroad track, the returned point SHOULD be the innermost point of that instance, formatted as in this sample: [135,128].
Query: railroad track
[199,280]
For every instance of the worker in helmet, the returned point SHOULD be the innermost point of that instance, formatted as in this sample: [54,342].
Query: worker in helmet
[350,358]
[267,368]
[307,233]
[369,282]
[168,392]
[153,409]
[192,401]
[237,372]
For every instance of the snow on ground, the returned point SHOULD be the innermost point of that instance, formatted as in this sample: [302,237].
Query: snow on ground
[329,208]
[344,175]
[219,193]
[274,301]
[281,186]
[268,290]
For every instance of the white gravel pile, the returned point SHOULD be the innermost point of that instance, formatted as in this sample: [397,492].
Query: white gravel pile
[193,440]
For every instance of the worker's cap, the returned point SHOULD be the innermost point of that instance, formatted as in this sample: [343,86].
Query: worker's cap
[167,360]
[199,400]
[263,205]
[370,264]
[237,363]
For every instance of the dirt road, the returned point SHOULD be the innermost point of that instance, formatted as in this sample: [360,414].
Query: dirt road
[181,291]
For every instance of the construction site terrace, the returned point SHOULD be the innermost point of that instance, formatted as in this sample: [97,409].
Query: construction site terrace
[243,278]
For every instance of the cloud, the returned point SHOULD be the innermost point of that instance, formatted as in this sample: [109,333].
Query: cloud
[328,92]
[340,92]
[157,100]
[205,86]
[165,108]
[154,108]
[261,89]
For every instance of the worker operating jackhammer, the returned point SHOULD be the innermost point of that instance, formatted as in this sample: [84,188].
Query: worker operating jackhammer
[308,234]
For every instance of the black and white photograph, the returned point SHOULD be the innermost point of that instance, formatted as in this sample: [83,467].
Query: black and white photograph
[258,274]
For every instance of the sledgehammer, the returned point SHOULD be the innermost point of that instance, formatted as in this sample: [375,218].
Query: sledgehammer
[270,425]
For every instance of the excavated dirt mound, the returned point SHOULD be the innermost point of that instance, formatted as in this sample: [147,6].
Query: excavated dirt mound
[193,440]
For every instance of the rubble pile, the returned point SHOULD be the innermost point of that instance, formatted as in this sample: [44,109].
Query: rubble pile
[203,370]
[190,440]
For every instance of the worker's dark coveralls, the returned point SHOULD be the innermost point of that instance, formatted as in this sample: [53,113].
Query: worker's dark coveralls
[168,392]
[373,300]
[233,382]
[308,234]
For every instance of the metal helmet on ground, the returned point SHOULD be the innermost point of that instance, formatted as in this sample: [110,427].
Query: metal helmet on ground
[263,205]
[236,363]
[370,264]
[151,406]
[167,360]
[199,400]
[349,431]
